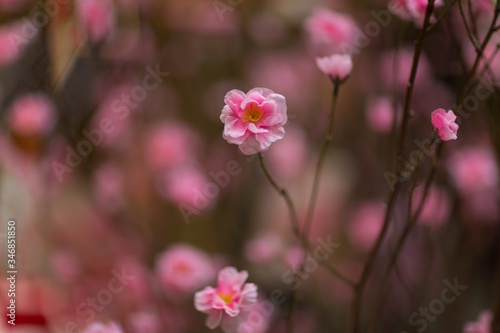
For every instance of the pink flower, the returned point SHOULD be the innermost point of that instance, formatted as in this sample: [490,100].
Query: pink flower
[444,123]
[184,268]
[480,326]
[227,304]
[334,31]
[365,225]
[473,169]
[101,328]
[169,144]
[97,16]
[411,9]
[11,42]
[263,248]
[255,120]
[336,66]
[380,114]
[32,115]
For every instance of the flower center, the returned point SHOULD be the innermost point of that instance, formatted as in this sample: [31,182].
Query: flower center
[252,113]
[226,297]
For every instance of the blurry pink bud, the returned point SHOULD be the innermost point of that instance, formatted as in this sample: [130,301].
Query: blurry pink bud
[330,29]
[473,169]
[482,325]
[183,269]
[97,16]
[101,328]
[32,115]
[380,114]
[365,225]
[444,123]
[263,248]
[336,66]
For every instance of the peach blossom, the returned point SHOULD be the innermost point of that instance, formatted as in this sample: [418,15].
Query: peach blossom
[97,16]
[32,114]
[227,304]
[482,325]
[336,66]
[112,327]
[183,268]
[413,10]
[331,30]
[255,120]
[473,169]
[365,225]
[380,114]
[444,123]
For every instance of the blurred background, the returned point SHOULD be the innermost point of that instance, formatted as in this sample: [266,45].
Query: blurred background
[127,200]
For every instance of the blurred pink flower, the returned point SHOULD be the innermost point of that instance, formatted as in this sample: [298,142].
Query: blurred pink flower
[183,268]
[336,66]
[412,9]
[444,123]
[294,256]
[11,42]
[380,114]
[187,184]
[66,265]
[263,248]
[331,30]
[436,208]
[227,304]
[112,327]
[365,225]
[473,169]
[169,144]
[32,114]
[145,322]
[482,325]
[98,17]
[254,120]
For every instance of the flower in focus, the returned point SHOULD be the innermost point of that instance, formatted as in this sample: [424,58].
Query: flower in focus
[101,328]
[444,123]
[411,9]
[482,325]
[227,304]
[336,66]
[32,115]
[331,30]
[97,16]
[254,120]
[183,268]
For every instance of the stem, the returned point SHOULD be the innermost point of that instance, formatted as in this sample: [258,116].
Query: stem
[284,193]
[358,297]
[319,165]
[411,221]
